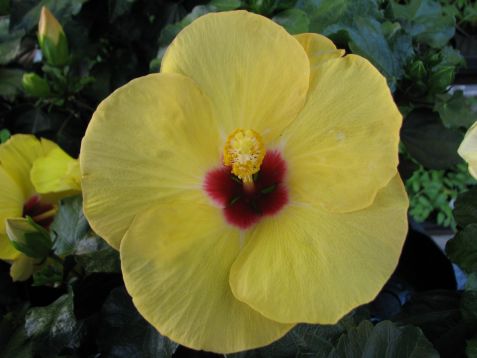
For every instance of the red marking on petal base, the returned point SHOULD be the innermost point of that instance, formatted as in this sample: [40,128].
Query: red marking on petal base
[244,208]
[34,208]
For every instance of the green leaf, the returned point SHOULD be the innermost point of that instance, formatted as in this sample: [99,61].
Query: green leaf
[455,110]
[14,341]
[295,21]
[471,348]
[53,328]
[325,13]
[425,21]
[465,211]
[4,135]
[436,312]
[124,333]
[429,142]
[469,299]
[462,249]
[9,42]
[383,340]
[103,260]
[226,5]
[25,14]
[10,82]
[50,273]
[69,226]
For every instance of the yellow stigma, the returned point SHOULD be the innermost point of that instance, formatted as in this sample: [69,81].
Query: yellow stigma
[244,152]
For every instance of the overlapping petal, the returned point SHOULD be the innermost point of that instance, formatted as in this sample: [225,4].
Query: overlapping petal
[343,147]
[254,72]
[11,205]
[17,156]
[309,265]
[175,260]
[150,140]
[319,49]
[56,172]
[468,149]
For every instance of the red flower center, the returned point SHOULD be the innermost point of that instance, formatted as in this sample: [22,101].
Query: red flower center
[39,211]
[244,207]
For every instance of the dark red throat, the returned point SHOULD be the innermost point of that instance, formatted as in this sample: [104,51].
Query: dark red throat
[243,208]
[35,207]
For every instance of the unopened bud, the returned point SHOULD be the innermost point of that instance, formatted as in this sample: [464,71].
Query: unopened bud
[52,39]
[28,237]
[35,86]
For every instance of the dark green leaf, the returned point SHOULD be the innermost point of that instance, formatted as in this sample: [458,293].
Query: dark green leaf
[4,135]
[53,328]
[26,13]
[226,5]
[462,249]
[325,13]
[69,227]
[124,333]
[50,273]
[425,21]
[429,142]
[436,312]
[14,341]
[104,260]
[10,82]
[9,42]
[465,210]
[455,110]
[471,348]
[383,340]
[469,299]
[295,21]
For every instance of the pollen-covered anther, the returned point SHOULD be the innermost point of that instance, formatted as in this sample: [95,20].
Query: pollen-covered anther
[244,152]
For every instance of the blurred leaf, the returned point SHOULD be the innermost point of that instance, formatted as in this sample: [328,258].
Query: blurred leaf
[4,135]
[53,328]
[226,5]
[295,21]
[10,43]
[69,226]
[10,82]
[25,14]
[471,348]
[455,110]
[469,299]
[465,210]
[14,341]
[425,21]
[429,142]
[124,333]
[325,13]
[50,273]
[104,260]
[118,8]
[436,312]
[462,249]
[384,340]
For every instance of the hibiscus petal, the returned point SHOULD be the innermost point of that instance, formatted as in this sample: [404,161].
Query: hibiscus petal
[468,149]
[150,140]
[11,205]
[309,265]
[22,268]
[17,156]
[343,147]
[56,172]
[175,261]
[318,48]
[254,72]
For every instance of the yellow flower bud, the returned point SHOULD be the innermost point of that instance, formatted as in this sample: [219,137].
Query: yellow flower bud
[52,39]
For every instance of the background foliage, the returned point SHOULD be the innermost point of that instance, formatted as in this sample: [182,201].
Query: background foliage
[77,305]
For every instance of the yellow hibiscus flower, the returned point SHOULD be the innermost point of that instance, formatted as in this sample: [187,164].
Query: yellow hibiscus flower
[468,149]
[34,174]
[250,185]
